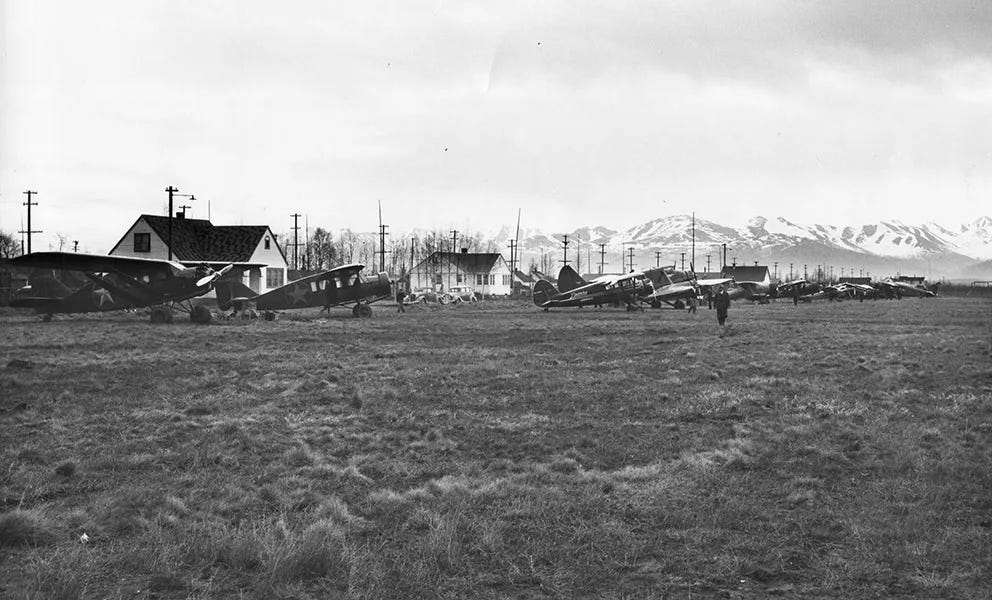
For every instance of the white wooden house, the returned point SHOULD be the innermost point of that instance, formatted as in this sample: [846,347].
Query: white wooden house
[486,272]
[251,248]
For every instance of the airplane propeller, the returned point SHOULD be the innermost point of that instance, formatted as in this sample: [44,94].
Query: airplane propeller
[209,279]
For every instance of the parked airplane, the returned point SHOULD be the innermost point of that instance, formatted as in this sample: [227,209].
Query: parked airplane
[629,288]
[837,291]
[337,287]
[115,283]
[891,287]
[672,287]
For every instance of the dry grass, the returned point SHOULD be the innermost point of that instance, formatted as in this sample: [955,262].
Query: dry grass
[494,450]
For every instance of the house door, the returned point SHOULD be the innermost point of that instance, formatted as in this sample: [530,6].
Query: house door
[254,279]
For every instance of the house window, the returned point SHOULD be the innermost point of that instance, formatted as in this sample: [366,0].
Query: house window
[273,277]
[268,243]
[506,280]
[437,279]
[142,242]
[458,278]
[480,279]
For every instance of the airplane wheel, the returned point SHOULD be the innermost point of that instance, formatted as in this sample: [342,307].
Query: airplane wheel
[161,315]
[200,315]
[362,310]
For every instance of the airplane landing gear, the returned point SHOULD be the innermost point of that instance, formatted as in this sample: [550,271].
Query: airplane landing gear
[362,310]
[200,315]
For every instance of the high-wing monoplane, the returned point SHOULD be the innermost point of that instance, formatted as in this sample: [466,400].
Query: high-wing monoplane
[340,286]
[115,283]
[629,288]
[892,287]
[672,286]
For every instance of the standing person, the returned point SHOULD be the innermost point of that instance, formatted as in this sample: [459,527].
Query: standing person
[399,301]
[693,303]
[709,299]
[722,305]
[795,296]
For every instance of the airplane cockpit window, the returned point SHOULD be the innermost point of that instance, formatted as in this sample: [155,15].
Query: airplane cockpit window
[353,279]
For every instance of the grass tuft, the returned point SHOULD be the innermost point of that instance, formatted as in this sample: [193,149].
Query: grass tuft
[66,468]
[21,527]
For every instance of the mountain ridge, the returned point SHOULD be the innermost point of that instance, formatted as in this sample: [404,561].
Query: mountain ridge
[884,244]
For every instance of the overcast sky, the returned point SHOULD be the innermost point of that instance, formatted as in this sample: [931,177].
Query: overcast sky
[456,114]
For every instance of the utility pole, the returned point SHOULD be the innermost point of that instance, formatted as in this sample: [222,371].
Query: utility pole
[564,247]
[707,263]
[382,247]
[29,231]
[724,257]
[683,261]
[775,270]
[382,241]
[805,274]
[171,191]
[513,257]
[454,255]
[692,262]
[790,272]
[296,240]
[657,259]
[631,251]
[75,245]
[602,257]
[183,208]
[734,263]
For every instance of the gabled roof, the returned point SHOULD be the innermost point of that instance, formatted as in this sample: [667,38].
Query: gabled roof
[201,240]
[524,277]
[746,273]
[471,262]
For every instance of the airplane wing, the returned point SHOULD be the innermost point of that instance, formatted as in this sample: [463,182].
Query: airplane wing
[673,292]
[708,283]
[97,263]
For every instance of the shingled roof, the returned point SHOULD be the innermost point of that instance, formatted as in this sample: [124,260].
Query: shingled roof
[741,273]
[195,240]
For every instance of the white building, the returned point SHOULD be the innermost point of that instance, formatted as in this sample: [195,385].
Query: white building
[251,248]
[485,272]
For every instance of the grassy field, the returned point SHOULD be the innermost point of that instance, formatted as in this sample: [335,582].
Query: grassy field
[835,450]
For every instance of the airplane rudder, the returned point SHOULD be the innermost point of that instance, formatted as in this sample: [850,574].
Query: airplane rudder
[543,292]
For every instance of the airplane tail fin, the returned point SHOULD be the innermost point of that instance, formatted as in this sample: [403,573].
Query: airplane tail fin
[544,291]
[230,291]
[568,279]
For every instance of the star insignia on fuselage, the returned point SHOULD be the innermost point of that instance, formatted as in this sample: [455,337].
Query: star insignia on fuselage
[102,296]
[298,294]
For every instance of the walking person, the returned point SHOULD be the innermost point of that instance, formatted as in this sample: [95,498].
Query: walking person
[693,303]
[399,301]
[722,305]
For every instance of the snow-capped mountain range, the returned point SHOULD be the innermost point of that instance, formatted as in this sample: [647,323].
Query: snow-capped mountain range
[889,244]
